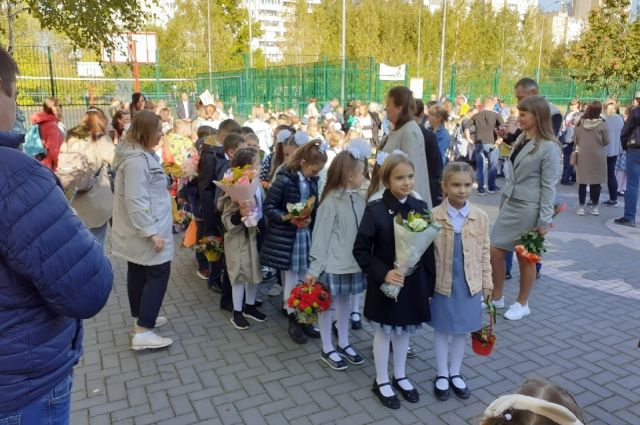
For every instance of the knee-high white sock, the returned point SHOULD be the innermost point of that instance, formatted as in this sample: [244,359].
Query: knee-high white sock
[237,292]
[400,347]
[290,282]
[251,290]
[355,303]
[341,303]
[381,360]
[458,343]
[441,344]
[324,323]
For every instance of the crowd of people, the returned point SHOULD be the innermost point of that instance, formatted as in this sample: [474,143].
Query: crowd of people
[356,169]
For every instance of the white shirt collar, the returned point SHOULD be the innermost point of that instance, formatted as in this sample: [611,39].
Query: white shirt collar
[301,176]
[453,212]
[403,200]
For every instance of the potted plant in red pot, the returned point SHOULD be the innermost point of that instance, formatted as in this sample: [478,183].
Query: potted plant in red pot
[483,340]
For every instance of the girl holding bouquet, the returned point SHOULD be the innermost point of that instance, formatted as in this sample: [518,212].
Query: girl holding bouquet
[243,266]
[374,250]
[287,239]
[331,259]
[463,273]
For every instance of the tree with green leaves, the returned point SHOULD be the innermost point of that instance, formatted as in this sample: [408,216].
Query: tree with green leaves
[606,55]
[88,23]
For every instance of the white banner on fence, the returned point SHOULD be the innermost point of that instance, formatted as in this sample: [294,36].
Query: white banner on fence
[416,85]
[392,73]
[89,69]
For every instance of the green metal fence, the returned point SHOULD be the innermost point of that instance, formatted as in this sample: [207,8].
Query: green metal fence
[287,83]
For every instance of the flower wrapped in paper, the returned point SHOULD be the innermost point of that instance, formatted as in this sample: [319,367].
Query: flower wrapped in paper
[174,151]
[300,211]
[242,185]
[308,300]
[412,237]
[533,244]
[211,246]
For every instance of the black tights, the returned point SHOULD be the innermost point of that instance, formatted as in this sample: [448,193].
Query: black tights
[594,193]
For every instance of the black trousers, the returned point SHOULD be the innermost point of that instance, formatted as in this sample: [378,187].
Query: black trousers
[612,182]
[594,193]
[146,286]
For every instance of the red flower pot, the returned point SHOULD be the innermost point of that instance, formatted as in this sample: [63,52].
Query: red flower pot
[482,349]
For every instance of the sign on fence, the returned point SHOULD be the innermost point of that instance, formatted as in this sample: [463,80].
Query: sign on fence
[392,73]
[416,85]
[89,69]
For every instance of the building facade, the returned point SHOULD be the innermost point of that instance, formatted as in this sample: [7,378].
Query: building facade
[565,28]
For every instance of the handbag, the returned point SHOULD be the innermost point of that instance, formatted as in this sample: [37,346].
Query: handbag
[573,159]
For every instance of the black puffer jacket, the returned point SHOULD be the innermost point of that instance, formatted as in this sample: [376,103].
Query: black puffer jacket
[212,162]
[280,235]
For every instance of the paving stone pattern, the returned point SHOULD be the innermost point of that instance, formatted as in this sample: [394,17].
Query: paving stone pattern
[582,334]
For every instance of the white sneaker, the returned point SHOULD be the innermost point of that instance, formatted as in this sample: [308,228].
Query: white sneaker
[594,211]
[580,211]
[499,303]
[275,290]
[159,321]
[149,340]
[517,311]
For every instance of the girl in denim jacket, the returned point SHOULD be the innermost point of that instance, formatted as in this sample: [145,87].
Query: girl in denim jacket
[463,273]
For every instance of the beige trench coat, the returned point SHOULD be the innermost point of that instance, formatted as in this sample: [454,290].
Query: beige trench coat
[591,138]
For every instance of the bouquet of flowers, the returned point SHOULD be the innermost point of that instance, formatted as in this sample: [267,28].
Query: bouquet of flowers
[533,243]
[190,164]
[174,151]
[241,184]
[299,211]
[412,238]
[308,300]
[212,246]
[483,340]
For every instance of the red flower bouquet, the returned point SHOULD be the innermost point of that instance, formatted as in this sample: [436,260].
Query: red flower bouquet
[533,243]
[308,300]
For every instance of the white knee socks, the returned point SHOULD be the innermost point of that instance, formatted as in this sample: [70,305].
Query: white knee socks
[400,347]
[341,303]
[441,343]
[355,303]
[381,360]
[251,291]
[237,292]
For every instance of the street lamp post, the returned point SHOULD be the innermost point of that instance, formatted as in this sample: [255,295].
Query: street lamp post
[444,29]
[250,35]
[343,51]
[209,40]
[420,5]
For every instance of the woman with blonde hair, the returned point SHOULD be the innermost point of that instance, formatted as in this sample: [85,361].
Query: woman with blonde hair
[94,207]
[142,227]
[615,122]
[527,199]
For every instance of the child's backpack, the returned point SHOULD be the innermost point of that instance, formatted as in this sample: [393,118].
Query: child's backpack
[74,171]
[33,143]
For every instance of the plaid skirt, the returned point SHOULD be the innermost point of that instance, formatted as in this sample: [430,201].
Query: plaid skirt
[344,284]
[300,252]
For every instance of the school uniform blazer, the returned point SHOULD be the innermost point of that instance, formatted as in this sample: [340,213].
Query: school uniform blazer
[536,172]
[374,250]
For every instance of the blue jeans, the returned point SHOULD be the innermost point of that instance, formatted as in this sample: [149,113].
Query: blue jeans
[53,408]
[100,233]
[633,179]
[568,170]
[487,150]
[508,261]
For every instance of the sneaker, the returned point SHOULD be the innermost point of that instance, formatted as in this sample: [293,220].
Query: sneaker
[481,193]
[494,190]
[275,290]
[149,340]
[517,311]
[239,321]
[252,312]
[203,274]
[594,210]
[499,303]
[580,211]
[333,364]
[267,273]
[508,276]
[411,353]
[625,222]
[160,321]
[610,203]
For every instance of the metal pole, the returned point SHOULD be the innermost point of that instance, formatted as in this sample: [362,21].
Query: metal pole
[343,50]
[52,81]
[209,41]
[540,52]
[444,29]
[420,5]
[250,35]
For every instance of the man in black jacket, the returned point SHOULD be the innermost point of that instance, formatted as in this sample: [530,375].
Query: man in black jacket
[630,138]
[434,159]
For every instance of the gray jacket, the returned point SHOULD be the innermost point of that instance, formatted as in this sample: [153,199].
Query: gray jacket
[334,233]
[536,173]
[141,207]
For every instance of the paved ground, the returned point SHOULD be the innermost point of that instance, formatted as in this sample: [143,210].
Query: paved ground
[582,334]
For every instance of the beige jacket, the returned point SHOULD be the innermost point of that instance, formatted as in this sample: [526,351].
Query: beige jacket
[591,138]
[240,246]
[475,243]
[95,206]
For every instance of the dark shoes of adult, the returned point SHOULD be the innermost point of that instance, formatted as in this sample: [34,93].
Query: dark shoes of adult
[625,222]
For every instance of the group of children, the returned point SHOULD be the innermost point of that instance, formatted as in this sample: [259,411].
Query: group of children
[347,245]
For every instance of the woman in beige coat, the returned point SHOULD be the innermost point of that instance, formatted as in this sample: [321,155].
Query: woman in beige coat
[241,244]
[590,137]
[94,207]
